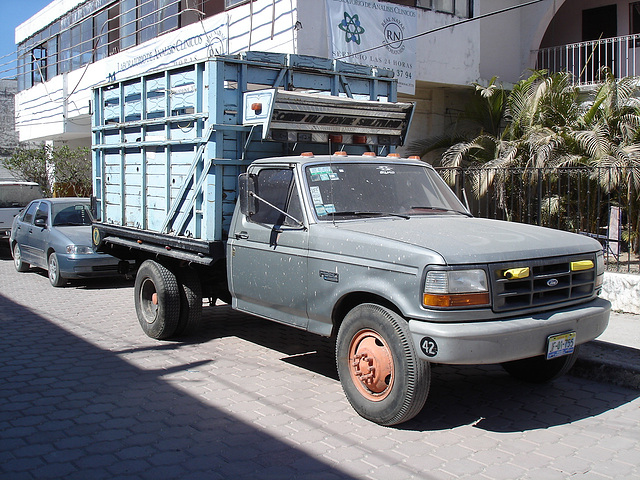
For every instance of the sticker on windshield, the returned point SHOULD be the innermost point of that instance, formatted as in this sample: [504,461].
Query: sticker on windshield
[320,210]
[316,196]
[331,208]
[322,174]
[386,170]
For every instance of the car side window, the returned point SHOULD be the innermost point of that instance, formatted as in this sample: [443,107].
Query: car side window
[276,186]
[30,212]
[42,213]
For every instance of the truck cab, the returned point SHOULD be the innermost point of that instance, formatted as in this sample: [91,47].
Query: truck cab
[379,252]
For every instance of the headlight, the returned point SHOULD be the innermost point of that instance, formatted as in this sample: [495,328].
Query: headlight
[79,250]
[456,288]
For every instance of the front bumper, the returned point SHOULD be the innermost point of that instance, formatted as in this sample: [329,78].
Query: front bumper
[507,339]
[87,266]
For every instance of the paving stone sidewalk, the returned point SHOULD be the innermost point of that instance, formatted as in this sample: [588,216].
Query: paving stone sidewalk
[84,394]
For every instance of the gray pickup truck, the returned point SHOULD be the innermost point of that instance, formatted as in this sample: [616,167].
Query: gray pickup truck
[381,253]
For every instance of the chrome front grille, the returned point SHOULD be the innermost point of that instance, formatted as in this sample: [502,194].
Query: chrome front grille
[549,282]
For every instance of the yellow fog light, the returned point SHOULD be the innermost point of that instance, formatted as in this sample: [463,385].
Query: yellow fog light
[581,265]
[516,273]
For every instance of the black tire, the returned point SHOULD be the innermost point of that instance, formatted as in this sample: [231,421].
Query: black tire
[53,271]
[539,369]
[20,265]
[157,300]
[190,302]
[397,387]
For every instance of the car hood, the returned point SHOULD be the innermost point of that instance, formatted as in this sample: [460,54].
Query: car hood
[465,240]
[80,235]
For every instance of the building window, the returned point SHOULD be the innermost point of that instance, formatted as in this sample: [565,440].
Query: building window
[634,18]
[52,57]
[39,64]
[168,19]
[101,36]
[128,23]
[459,8]
[99,28]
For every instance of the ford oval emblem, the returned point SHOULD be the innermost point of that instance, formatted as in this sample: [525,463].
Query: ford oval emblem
[552,282]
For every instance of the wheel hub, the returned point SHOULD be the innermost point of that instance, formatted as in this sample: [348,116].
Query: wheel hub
[371,365]
[149,301]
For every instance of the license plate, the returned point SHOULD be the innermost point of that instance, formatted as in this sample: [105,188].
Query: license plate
[561,344]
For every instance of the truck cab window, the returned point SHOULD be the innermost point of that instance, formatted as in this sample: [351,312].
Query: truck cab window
[276,186]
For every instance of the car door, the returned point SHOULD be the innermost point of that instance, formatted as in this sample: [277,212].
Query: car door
[268,264]
[39,234]
[23,232]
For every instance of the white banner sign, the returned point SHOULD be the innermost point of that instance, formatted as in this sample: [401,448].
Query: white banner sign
[195,42]
[373,33]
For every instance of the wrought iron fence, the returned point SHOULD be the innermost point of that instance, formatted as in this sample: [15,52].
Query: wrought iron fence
[598,202]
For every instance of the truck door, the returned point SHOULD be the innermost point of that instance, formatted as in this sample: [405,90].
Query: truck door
[269,250]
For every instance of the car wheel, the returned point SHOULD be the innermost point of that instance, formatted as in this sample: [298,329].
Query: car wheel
[539,369]
[55,277]
[382,376]
[20,265]
[157,300]
[190,302]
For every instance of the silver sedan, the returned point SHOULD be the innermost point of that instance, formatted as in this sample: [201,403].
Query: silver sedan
[55,234]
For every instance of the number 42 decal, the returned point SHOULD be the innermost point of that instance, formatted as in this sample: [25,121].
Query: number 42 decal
[429,346]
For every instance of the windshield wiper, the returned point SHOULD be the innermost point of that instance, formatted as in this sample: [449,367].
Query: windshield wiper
[371,214]
[442,209]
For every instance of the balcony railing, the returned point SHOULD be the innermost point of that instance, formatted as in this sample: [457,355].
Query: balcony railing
[585,59]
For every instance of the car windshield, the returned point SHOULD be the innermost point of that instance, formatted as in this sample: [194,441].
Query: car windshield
[352,190]
[71,214]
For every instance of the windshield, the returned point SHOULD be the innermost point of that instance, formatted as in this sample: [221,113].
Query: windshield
[349,190]
[71,214]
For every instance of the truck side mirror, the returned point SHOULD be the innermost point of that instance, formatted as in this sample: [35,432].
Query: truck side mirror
[246,192]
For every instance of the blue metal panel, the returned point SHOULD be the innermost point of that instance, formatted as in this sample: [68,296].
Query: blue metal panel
[186,123]
[132,189]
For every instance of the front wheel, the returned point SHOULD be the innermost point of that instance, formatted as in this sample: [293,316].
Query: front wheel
[380,372]
[55,277]
[157,300]
[539,369]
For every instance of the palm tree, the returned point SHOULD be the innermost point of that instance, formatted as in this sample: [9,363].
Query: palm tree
[544,125]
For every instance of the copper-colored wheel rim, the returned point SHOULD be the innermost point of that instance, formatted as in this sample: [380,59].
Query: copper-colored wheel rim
[371,365]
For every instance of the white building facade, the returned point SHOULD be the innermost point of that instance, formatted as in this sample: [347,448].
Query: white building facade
[436,48]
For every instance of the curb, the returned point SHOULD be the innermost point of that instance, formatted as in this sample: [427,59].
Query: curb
[608,363]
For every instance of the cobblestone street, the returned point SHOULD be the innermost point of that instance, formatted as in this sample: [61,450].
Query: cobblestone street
[85,394]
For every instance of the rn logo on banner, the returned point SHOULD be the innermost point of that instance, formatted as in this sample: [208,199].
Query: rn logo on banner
[374,33]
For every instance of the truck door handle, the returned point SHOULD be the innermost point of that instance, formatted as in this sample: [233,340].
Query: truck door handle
[242,235]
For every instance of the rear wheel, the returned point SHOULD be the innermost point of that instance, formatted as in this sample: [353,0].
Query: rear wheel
[20,265]
[55,277]
[190,302]
[157,300]
[539,369]
[381,374]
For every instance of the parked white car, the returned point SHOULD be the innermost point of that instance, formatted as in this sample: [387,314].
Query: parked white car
[14,196]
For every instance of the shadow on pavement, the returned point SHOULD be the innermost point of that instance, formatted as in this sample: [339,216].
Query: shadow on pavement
[484,396]
[69,409]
